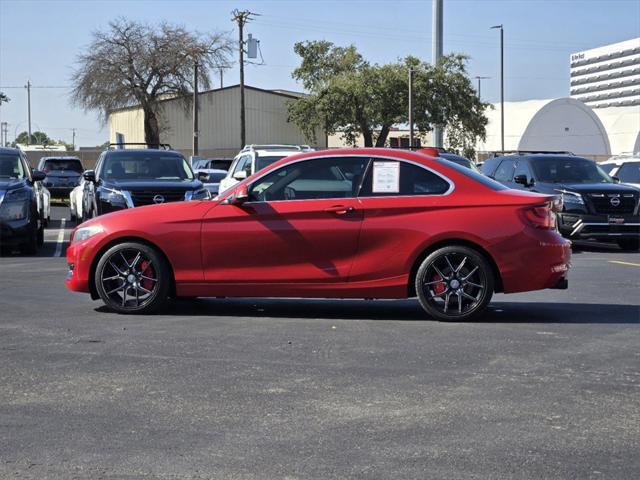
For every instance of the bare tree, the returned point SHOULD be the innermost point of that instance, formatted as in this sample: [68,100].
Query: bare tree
[138,64]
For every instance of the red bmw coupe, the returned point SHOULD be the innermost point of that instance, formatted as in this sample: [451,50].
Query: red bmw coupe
[349,223]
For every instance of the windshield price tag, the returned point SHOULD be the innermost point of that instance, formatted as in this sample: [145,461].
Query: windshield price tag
[386,177]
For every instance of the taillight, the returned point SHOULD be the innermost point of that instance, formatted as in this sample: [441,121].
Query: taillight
[541,216]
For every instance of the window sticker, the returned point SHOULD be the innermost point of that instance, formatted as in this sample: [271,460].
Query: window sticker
[386,177]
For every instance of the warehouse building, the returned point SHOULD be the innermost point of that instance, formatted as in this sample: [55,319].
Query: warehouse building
[219,122]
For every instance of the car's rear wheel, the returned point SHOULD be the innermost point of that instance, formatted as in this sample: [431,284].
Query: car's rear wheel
[133,278]
[454,283]
[631,244]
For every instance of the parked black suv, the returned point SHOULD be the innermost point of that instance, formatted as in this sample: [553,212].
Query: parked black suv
[21,223]
[63,174]
[128,178]
[596,206]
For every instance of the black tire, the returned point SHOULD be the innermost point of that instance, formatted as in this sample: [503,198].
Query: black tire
[30,247]
[124,289]
[629,244]
[459,273]
[40,236]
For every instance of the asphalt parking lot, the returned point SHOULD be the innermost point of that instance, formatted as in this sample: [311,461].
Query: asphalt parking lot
[545,385]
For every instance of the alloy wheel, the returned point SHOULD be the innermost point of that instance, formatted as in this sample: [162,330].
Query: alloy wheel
[129,278]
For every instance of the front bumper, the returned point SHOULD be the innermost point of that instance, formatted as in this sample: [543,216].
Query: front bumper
[598,227]
[16,232]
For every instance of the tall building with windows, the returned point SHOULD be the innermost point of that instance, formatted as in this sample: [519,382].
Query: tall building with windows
[607,76]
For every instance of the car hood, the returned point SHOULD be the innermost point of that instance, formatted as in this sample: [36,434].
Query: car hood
[596,188]
[133,185]
[10,183]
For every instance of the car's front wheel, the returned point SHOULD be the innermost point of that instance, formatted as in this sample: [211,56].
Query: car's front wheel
[454,283]
[133,278]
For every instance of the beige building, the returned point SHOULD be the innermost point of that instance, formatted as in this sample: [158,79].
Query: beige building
[398,137]
[219,122]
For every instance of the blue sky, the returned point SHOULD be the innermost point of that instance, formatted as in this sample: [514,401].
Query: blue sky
[39,41]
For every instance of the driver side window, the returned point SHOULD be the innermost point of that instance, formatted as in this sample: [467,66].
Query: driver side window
[338,177]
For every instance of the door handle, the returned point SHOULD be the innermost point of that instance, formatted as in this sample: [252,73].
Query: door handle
[339,209]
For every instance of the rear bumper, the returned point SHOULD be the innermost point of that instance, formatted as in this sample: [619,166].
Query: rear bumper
[600,227]
[58,192]
[537,259]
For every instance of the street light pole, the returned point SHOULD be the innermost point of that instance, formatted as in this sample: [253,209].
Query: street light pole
[479,78]
[410,107]
[28,87]
[195,109]
[501,84]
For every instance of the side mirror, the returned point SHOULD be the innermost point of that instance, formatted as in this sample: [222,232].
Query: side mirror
[239,196]
[240,175]
[521,179]
[615,179]
[38,176]
[89,176]
[203,176]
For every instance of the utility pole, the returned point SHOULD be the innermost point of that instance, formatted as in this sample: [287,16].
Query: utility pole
[221,69]
[479,78]
[195,108]
[4,133]
[73,141]
[501,84]
[411,108]
[436,54]
[241,18]
[28,87]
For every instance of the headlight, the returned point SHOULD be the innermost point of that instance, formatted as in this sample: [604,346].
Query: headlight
[83,233]
[571,197]
[112,196]
[14,210]
[202,194]
[19,195]
[15,205]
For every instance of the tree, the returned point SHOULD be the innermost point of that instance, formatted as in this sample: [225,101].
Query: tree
[37,138]
[4,98]
[353,97]
[137,64]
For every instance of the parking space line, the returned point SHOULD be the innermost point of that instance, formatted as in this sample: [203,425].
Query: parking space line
[60,238]
[625,263]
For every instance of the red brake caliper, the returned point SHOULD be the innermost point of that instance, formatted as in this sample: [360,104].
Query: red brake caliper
[438,288]
[148,271]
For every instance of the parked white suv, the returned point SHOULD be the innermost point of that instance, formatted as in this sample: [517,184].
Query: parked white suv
[625,167]
[254,158]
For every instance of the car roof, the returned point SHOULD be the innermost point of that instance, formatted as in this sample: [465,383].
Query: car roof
[9,150]
[142,150]
[537,156]
[59,158]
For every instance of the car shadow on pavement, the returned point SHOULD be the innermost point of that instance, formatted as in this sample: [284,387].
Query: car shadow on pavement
[400,310]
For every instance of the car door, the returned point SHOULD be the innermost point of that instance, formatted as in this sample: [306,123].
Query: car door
[300,225]
[398,200]
[504,172]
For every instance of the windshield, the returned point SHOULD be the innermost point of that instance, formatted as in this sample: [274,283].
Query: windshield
[265,161]
[629,172]
[11,166]
[608,167]
[57,165]
[474,174]
[218,164]
[146,166]
[568,170]
[460,161]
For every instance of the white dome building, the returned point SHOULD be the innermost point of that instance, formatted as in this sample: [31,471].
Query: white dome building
[564,124]
[623,127]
